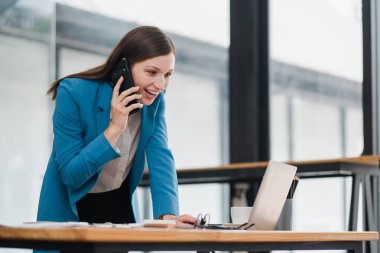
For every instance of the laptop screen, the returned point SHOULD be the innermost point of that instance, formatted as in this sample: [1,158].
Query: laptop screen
[271,196]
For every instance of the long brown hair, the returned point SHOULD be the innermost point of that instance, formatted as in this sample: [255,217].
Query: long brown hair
[139,44]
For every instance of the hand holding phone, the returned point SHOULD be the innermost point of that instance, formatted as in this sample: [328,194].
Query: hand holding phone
[122,69]
[120,113]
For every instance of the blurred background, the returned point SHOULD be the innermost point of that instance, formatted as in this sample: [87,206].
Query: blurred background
[316,75]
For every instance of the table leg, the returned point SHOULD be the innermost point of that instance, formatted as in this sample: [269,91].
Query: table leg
[354,205]
[376,211]
[370,221]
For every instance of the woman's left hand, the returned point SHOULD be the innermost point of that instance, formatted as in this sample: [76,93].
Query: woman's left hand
[183,221]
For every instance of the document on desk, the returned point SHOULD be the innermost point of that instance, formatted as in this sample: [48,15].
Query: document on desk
[50,224]
[159,223]
[54,224]
[47,224]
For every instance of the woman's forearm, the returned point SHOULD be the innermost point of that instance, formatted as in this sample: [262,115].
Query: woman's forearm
[112,135]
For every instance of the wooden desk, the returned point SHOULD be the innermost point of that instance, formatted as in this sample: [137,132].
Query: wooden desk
[364,171]
[144,239]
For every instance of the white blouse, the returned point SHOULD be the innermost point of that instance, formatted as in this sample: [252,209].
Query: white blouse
[116,171]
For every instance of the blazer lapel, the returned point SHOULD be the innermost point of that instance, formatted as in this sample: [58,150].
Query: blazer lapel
[104,107]
[147,124]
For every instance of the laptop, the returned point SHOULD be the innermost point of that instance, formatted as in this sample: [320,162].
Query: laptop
[271,197]
[269,201]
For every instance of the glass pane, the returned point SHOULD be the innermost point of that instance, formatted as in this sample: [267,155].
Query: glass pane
[25,32]
[317,65]
[24,80]
[316,90]
[72,61]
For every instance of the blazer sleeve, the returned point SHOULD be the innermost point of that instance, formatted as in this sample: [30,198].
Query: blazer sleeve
[162,174]
[76,161]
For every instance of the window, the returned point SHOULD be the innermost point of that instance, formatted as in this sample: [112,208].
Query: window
[316,88]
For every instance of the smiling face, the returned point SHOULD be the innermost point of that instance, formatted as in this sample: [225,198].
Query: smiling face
[153,76]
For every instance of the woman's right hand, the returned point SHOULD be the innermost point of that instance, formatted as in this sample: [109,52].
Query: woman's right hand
[120,112]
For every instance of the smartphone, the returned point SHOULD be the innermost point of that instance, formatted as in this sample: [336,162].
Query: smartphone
[122,69]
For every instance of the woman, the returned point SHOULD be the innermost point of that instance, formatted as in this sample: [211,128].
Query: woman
[99,148]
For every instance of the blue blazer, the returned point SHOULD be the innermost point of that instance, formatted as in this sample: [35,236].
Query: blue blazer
[80,149]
